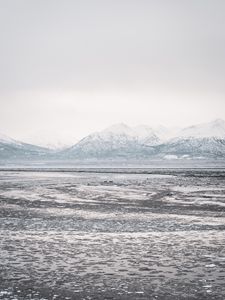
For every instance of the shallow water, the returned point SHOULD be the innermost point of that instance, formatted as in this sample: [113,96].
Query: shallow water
[112,234]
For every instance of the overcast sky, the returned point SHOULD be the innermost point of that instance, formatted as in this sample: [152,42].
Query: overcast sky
[70,67]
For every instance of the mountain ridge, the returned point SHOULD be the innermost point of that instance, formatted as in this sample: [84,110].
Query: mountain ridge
[206,140]
[119,140]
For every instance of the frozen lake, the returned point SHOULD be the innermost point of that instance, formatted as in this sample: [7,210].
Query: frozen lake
[112,234]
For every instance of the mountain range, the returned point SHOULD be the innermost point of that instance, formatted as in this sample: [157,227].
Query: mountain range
[120,141]
[11,149]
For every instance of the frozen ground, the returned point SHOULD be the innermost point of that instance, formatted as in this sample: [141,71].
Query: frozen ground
[112,234]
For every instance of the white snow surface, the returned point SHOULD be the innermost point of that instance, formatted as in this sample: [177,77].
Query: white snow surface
[118,132]
[7,140]
[215,128]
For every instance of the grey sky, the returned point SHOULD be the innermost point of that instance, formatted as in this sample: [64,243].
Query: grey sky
[78,66]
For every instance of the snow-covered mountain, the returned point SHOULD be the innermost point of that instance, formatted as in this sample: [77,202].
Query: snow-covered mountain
[13,149]
[192,147]
[141,134]
[203,140]
[146,135]
[215,128]
[120,141]
[7,140]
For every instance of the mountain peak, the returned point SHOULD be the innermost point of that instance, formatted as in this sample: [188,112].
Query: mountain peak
[119,128]
[218,122]
[215,128]
[7,140]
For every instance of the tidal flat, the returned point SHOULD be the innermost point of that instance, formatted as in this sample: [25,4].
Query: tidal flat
[112,234]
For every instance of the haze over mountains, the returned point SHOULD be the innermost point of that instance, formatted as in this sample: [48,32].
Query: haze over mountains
[16,150]
[120,141]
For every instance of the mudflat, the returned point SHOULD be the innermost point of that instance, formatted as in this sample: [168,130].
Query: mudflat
[112,234]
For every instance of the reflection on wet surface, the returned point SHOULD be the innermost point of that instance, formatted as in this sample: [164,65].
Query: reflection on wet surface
[91,235]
